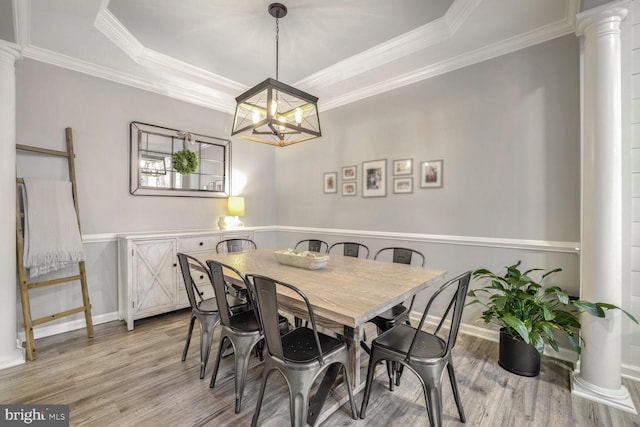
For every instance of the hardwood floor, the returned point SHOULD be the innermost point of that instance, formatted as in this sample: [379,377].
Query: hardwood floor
[137,379]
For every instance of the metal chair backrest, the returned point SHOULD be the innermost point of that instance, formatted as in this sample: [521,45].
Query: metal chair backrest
[457,303]
[219,272]
[351,249]
[314,245]
[235,245]
[401,255]
[266,290]
[187,263]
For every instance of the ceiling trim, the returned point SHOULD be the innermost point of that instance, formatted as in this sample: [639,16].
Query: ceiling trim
[182,90]
[111,27]
[191,84]
[410,42]
[503,47]
[117,33]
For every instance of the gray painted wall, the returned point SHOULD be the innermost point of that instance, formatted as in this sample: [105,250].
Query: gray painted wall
[507,130]
[51,98]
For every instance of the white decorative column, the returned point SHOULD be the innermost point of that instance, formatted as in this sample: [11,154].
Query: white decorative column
[9,353]
[599,377]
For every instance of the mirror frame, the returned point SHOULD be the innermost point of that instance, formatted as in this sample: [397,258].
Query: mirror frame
[137,129]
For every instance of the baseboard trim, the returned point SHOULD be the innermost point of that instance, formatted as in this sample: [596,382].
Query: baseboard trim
[16,358]
[60,328]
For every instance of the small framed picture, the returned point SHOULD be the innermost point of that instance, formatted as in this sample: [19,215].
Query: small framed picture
[330,182]
[374,178]
[349,172]
[402,185]
[431,174]
[349,188]
[403,167]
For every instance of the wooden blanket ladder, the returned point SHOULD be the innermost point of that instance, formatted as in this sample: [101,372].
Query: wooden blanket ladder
[29,323]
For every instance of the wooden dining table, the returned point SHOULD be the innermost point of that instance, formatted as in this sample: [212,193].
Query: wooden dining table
[344,294]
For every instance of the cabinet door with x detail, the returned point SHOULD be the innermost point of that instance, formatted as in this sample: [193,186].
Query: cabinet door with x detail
[155,277]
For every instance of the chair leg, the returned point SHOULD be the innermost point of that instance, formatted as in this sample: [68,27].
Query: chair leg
[456,394]
[299,402]
[367,388]
[207,327]
[260,350]
[434,404]
[189,332]
[391,371]
[221,349]
[243,348]
[347,383]
[399,372]
[265,377]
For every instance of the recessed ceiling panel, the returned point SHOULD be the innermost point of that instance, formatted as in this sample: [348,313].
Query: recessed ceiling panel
[236,39]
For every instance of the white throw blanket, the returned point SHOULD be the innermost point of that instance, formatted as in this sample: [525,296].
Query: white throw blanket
[51,235]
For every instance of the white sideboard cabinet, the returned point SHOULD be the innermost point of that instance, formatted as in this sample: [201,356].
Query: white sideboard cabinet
[149,278]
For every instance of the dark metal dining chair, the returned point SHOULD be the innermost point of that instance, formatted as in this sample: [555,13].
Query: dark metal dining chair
[235,245]
[242,329]
[351,249]
[426,354]
[204,310]
[313,245]
[398,313]
[301,355]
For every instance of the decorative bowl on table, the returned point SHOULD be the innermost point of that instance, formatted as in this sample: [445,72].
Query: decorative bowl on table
[302,259]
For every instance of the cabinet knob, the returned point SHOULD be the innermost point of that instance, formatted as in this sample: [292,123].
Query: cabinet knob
[175,265]
[201,277]
[201,243]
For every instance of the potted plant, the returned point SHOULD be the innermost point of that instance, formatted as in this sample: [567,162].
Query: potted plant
[531,315]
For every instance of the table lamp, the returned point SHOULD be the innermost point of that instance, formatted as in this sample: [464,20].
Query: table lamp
[235,209]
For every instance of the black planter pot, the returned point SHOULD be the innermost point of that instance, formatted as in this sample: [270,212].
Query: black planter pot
[517,356]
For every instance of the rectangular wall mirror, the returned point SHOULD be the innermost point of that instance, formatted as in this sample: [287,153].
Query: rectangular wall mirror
[153,154]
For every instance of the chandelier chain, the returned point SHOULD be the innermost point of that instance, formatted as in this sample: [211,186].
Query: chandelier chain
[277,45]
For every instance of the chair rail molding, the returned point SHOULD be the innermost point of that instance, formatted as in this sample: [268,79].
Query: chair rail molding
[489,242]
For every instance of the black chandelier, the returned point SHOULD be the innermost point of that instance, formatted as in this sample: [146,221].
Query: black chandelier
[273,112]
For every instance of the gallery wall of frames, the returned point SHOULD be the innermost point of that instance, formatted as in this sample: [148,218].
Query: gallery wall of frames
[374,178]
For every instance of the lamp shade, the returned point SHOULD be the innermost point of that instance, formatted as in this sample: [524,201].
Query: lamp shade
[235,205]
[277,114]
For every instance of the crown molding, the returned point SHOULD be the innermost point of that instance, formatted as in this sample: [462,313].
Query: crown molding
[182,90]
[117,33]
[179,80]
[158,63]
[540,35]
[410,42]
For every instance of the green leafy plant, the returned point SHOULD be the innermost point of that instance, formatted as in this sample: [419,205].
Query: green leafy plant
[185,161]
[530,311]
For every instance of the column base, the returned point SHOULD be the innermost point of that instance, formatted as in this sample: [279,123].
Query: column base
[619,399]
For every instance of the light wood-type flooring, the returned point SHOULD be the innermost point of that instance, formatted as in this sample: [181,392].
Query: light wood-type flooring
[136,378]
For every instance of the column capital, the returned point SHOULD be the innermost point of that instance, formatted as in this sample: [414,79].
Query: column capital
[612,12]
